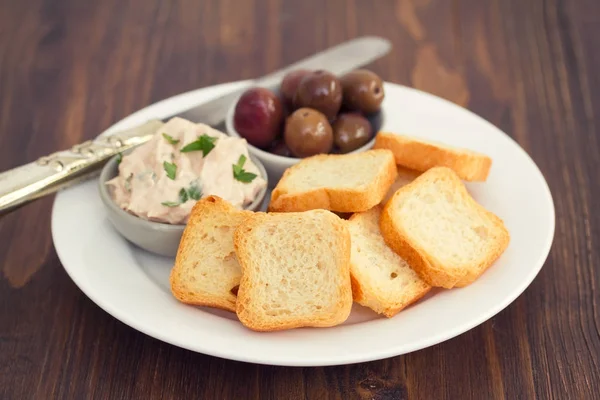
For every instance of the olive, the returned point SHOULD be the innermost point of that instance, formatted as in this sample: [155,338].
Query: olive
[289,85]
[351,131]
[320,90]
[307,132]
[258,116]
[363,91]
[280,148]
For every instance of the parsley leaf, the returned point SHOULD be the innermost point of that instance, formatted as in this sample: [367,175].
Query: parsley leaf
[240,174]
[183,195]
[119,158]
[170,169]
[128,183]
[170,139]
[246,177]
[204,143]
[194,191]
[240,164]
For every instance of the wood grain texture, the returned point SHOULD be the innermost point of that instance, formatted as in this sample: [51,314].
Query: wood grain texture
[69,69]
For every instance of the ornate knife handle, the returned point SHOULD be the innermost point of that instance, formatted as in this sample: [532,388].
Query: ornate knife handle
[61,169]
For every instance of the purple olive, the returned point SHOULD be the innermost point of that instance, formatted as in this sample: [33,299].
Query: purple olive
[281,149]
[258,116]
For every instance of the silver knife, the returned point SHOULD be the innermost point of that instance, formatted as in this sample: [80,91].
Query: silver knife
[58,170]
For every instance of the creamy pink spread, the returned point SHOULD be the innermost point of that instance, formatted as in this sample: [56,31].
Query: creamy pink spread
[144,187]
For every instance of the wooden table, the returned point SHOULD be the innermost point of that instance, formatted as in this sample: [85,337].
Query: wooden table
[69,69]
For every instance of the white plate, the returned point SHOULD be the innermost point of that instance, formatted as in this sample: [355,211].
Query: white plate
[132,285]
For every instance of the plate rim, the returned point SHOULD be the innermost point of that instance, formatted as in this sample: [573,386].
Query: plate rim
[352,357]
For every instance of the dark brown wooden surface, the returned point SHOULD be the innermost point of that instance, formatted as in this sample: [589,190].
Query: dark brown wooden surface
[69,69]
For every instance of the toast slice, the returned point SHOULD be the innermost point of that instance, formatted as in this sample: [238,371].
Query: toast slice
[295,270]
[421,155]
[381,279]
[342,183]
[206,271]
[405,176]
[441,231]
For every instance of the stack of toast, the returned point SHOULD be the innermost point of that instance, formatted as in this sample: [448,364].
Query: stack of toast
[412,226]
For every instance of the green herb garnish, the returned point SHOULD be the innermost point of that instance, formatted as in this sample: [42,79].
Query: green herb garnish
[204,144]
[240,174]
[194,191]
[170,139]
[170,169]
[183,195]
[119,158]
[128,183]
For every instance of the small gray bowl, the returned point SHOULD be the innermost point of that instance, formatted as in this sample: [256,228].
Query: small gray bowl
[155,237]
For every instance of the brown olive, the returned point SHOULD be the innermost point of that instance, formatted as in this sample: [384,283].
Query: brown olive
[363,91]
[351,131]
[320,90]
[307,132]
[289,85]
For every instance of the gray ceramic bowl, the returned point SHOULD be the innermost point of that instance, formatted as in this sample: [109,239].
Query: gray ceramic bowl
[155,237]
[276,164]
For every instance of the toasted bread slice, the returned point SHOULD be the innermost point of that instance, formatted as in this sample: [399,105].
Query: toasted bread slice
[441,231]
[405,176]
[295,270]
[206,271]
[381,279]
[341,183]
[421,155]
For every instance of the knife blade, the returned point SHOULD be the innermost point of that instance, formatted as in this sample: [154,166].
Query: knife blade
[338,60]
[62,169]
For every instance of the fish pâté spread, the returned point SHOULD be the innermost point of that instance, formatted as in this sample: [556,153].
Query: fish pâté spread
[162,179]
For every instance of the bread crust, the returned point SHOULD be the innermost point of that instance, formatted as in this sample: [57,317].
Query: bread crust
[205,206]
[247,305]
[420,155]
[373,298]
[503,243]
[428,268]
[335,199]
[360,296]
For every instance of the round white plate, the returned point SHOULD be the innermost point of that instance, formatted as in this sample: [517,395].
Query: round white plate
[132,285]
